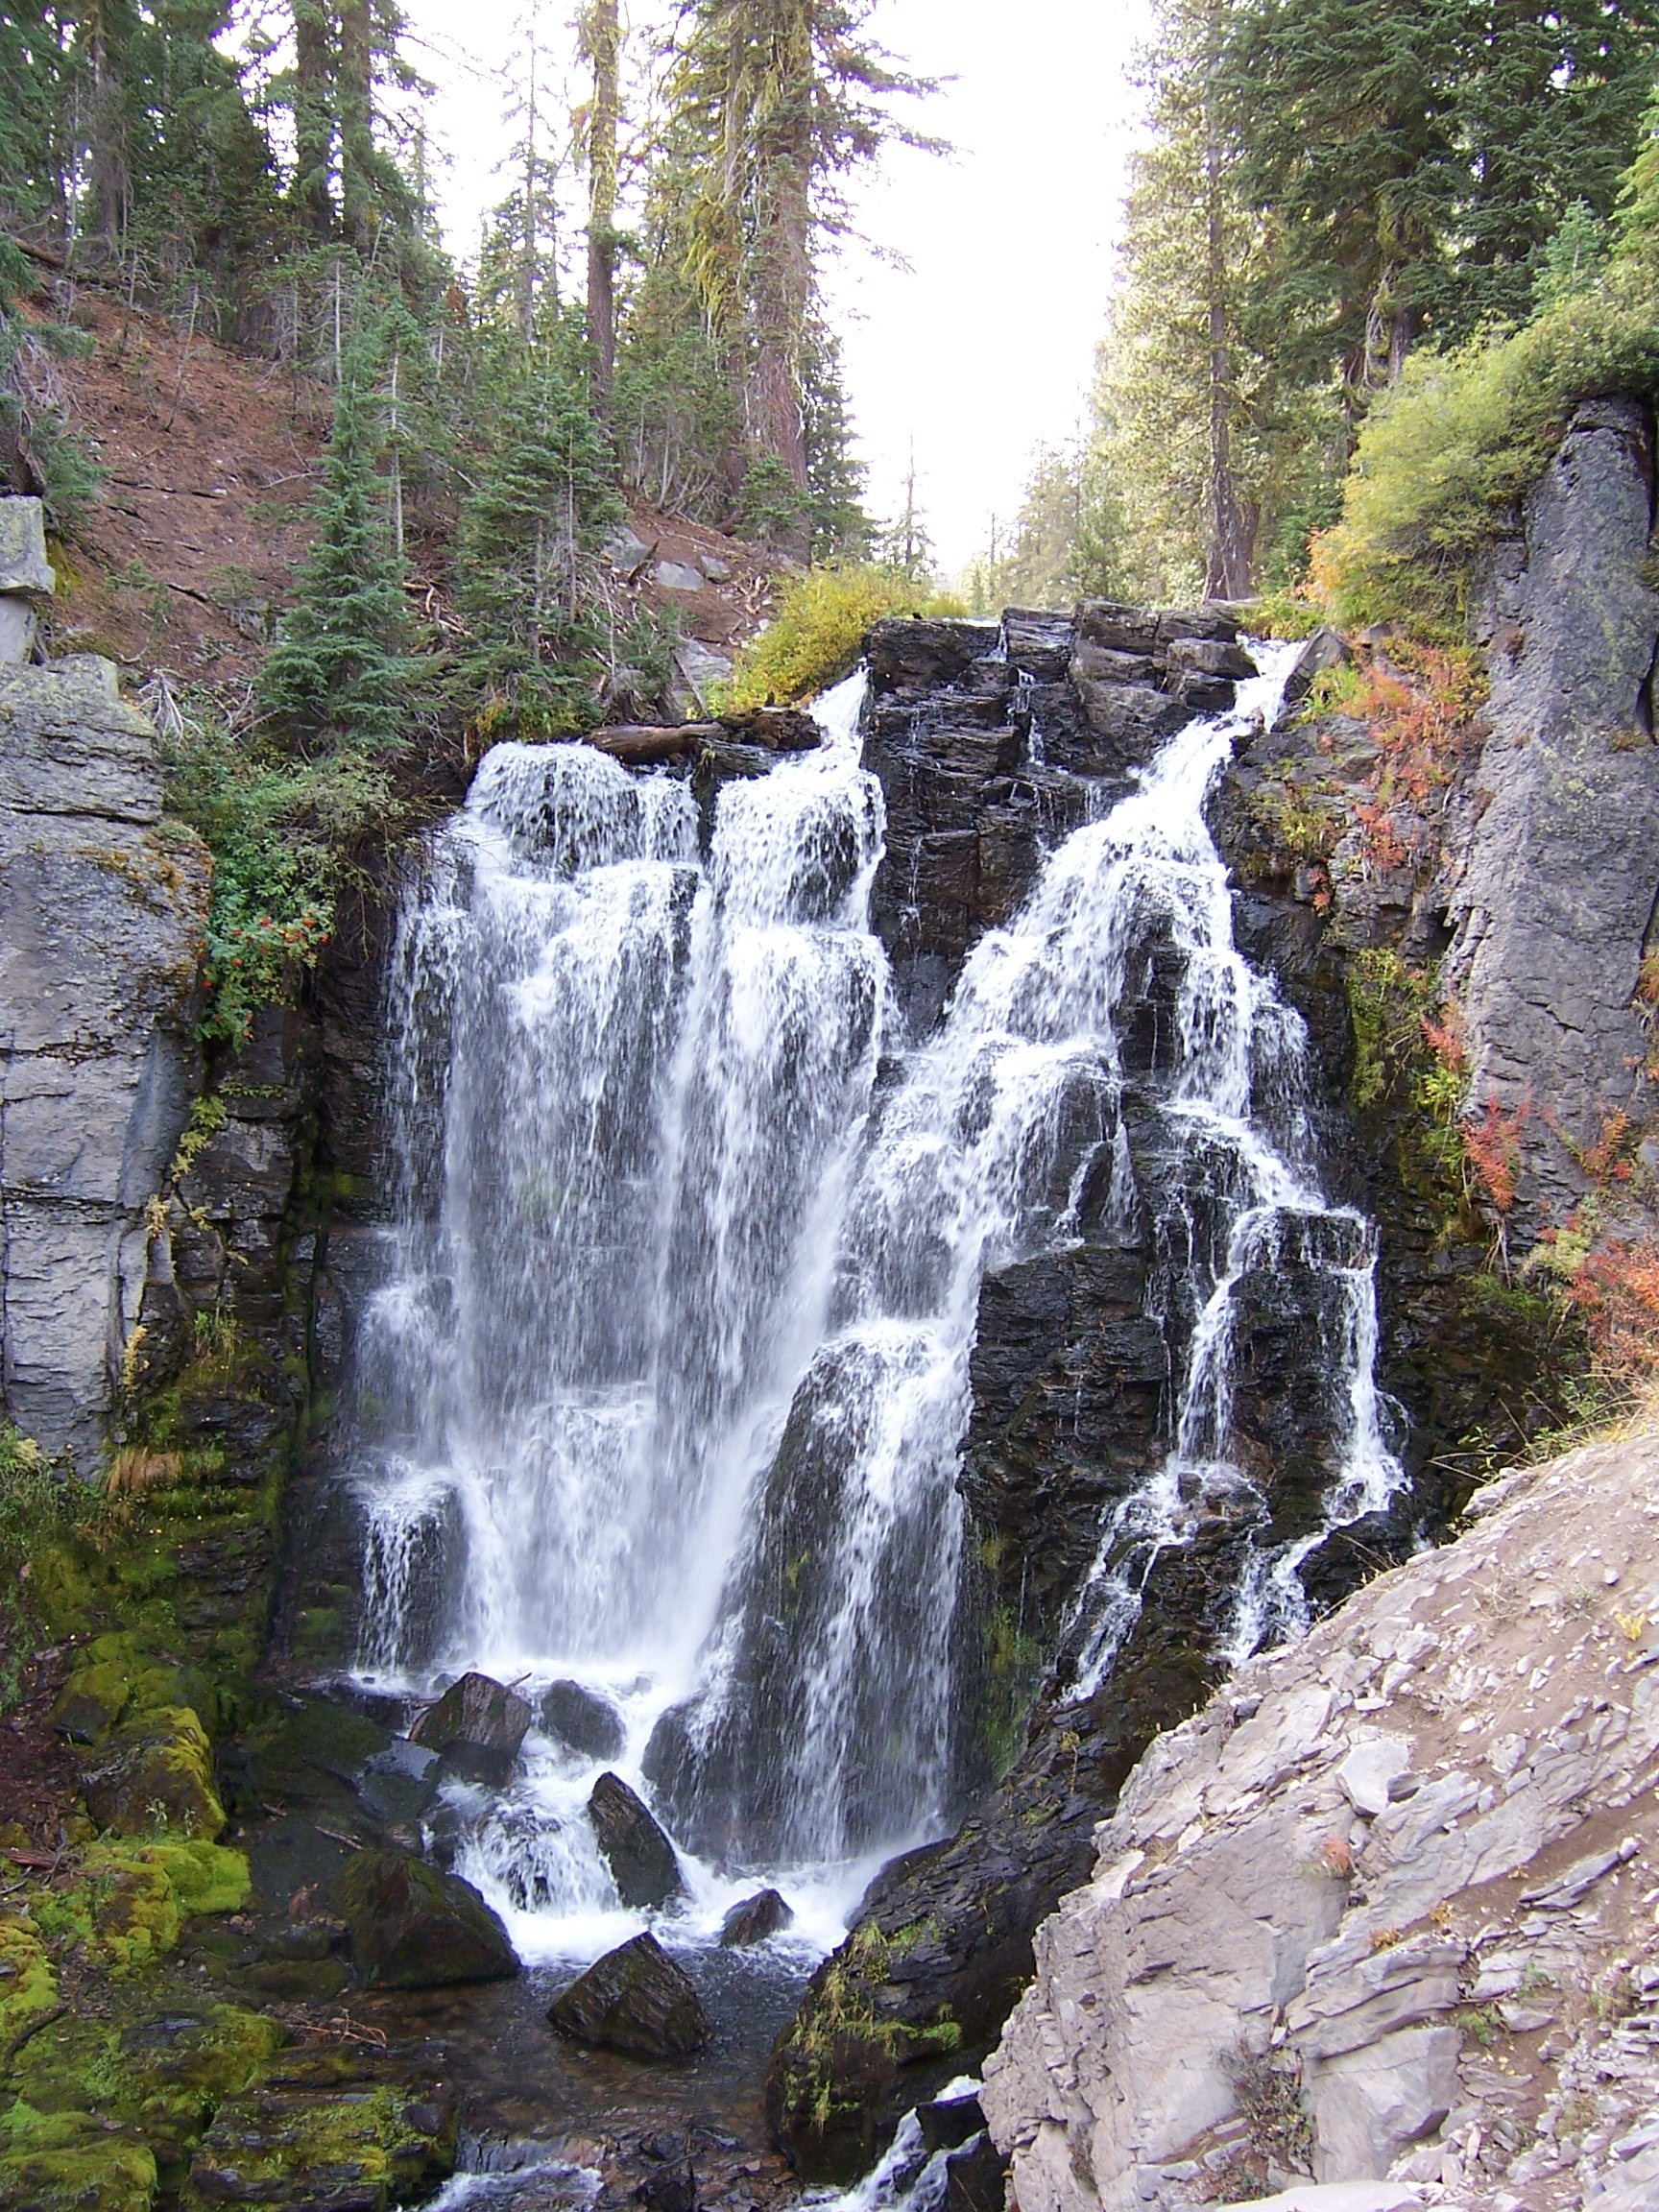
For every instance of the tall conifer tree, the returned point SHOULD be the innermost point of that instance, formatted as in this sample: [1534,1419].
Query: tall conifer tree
[341,672]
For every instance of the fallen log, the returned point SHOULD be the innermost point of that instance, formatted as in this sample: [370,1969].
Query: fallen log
[636,744]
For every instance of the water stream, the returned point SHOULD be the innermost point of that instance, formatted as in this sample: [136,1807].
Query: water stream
[667,1385]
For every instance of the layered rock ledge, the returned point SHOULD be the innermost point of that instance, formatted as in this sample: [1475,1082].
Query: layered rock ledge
[1386,1906]
[102,912]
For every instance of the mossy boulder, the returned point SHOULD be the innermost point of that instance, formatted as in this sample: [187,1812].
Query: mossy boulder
[155,1773]
[131,1899]
[414,1928]
[366,2149]
[156,2077]
[28,1985]
[71,2162]
[116,1679]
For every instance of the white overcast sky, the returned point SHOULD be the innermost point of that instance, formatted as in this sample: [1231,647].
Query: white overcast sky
[981,349]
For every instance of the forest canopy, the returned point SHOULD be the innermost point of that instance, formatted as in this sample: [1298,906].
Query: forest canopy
[1371,255]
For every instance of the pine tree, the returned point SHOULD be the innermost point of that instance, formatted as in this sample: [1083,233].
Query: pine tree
[526,554]
[601,39]
[771,103]
[341,674]
[1413,158]
[841,529]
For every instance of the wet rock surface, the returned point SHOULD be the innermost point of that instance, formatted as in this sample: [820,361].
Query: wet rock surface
[755,1919]
[640,1855]
[477,1726]
[637,2000]
[582,1720]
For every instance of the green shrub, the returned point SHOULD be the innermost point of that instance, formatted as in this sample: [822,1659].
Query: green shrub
[279,832]
[1446,455]
[818,632]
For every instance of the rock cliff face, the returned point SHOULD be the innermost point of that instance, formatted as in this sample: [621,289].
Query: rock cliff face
[101,929]
[1553,907]
[1385,1905]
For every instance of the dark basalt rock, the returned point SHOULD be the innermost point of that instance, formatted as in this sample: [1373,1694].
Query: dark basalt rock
[639,1854]
[582,1721]
[671,2188]
[756,1919]
[941,1940]
[479,1726]
[399,1783]
[949,2122]
[635,1999]
[414,1928]
[1038,644]
[977,2177]
[913,655]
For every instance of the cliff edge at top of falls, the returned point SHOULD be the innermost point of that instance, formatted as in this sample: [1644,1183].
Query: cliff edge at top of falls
[1386,1907]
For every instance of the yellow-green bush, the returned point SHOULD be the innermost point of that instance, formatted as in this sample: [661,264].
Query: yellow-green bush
[818,632]
[1445,455]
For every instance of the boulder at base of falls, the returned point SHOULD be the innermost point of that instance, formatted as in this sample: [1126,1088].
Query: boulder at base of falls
[950,2122]
[412,1928]
[635,1999]
[765,1914]
[479,1726]
[640,1855]
[583,1720]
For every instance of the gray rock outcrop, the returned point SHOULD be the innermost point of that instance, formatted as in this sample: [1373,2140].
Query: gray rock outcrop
[102,920]
[25,575]
[1384,1908]
[1557,903]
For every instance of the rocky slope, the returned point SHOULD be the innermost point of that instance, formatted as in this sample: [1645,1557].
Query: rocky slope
[1388,1904]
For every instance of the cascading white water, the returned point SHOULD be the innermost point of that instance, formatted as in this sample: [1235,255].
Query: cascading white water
[668,1381]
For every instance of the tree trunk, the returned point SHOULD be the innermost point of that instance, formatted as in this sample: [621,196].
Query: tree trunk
[314,115]
[780,290]
[353,81]
[1227,573]
[603,38]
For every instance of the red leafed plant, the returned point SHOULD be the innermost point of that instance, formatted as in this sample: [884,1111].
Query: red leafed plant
[1492,1146]
[1616,1290]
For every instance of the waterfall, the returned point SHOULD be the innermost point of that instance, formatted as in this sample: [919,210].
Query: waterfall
[668,1379]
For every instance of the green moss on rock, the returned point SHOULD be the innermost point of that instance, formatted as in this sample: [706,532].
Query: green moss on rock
[415,1928]
[28,1985]
[280,2146]
[131,1899]
[71,2163]
[155,1774]
[157,2077]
